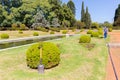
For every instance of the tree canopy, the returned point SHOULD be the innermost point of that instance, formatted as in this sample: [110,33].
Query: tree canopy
[24,12]
[85,17]
[117,16]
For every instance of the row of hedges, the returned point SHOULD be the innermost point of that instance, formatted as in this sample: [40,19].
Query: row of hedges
[95,33]
[50,53]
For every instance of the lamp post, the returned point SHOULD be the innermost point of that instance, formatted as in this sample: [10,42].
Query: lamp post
[40,66]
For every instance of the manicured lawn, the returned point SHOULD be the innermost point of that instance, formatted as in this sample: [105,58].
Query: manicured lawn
[77,62]
[16,34]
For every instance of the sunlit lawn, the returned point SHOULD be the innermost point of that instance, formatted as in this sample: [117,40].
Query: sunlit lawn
[16,34]
[77,62]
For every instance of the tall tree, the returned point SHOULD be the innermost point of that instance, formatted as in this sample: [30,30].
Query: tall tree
[82,13]
[16,3]
[117,16]
[71,5]
[1,15]
[87,19]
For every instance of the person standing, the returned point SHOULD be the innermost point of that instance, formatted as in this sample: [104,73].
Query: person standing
[105,32]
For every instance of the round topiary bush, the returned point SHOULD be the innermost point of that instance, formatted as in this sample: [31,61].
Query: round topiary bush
[100,32]
[85,39]
[50,55]
[35,34]
[20,32]
[89,31]
[4,36]
[52,32]
[95,34]
[64,32]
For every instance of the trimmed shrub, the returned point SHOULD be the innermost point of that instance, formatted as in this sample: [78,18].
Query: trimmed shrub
[89,31]
[85,39]
[4,36]
[64,32]
[81,30]
[52,32]
[110,29]
[22,26]
[35,34]
[50,55]
[100,32]
[20,32]
[95,34]
[73,30]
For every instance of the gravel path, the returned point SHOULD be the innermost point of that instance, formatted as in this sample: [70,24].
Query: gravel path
[115,56]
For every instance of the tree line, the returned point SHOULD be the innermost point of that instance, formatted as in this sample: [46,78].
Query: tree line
[24,12]
[50,13]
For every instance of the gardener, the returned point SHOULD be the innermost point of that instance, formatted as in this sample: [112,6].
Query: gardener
[105,32]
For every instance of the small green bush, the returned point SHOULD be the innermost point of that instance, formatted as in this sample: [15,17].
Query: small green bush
[50,55]
[64,32]
[20,32]
[35,34]
[89,31]
[4,36]
[85,39]
[81,30]
[110,29]
[95,34]
[52,32]
[100,32]
[22,26]
[73,30]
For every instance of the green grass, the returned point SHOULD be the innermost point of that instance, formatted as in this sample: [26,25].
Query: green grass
[77,62]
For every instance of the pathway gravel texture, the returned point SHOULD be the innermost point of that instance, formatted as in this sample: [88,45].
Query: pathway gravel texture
[115,55]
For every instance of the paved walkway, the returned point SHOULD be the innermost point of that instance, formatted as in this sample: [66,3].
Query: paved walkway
[115,55]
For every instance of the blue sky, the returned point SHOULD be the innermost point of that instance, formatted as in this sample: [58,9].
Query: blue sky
[100,10]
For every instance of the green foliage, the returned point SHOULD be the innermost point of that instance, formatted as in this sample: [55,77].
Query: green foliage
[14,26]
[55,29]
[81,30]
[85,17]
[79,24]
[71,5]
[55,13]
[107,24]
[95,34]
[95,25]
[52,32]
[89,31]
[100,31]
[50,55]
[64,32]
[117,16]
[20,32]
[85,39]
[82,13]
[35,34]
[22,27]
[4,36]
[42,29]
[110,29]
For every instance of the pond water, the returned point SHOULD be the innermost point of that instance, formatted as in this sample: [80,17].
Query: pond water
[23,41]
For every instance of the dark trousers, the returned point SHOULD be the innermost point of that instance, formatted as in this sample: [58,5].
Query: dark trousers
[105,35]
